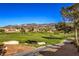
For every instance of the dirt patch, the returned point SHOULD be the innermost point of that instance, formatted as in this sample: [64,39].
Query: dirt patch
[12,49]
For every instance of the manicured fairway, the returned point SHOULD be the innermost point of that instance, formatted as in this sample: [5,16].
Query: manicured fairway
[50,38]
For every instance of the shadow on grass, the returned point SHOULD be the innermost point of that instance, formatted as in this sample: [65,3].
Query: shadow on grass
[51,37]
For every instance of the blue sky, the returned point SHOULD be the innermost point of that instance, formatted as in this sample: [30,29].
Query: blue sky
[12,14]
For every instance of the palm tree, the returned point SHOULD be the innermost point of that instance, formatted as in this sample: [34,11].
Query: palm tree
[71,13]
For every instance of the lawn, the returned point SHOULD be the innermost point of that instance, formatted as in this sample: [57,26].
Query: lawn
[49,38]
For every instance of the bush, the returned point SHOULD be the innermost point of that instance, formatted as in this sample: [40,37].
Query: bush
[1,30]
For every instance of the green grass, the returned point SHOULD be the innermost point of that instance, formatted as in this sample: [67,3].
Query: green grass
[50,38]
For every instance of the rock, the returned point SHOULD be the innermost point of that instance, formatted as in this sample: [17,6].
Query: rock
[50,49]
[26,43]
[60,44]
[53,46]
[41,43]
[68,41]
[11,42]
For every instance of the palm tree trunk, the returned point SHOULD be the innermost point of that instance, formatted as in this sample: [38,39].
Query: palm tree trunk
[76,36]
[76,33]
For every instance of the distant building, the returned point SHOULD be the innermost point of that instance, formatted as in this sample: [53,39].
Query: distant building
[11,30]
[26,30]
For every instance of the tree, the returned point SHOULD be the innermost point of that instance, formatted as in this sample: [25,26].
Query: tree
[22,30]
[31,29]
[71,13]
[2,30]
[61,26]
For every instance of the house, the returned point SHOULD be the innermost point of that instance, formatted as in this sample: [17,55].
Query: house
[26,30]
[11,30]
